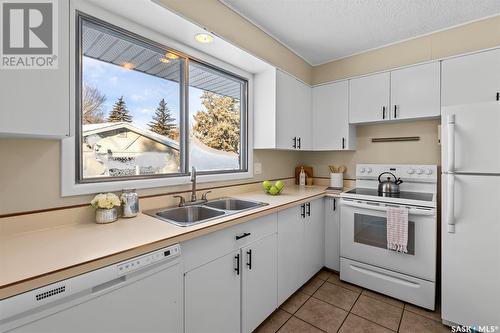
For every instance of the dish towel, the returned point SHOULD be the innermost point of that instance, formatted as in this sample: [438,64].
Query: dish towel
[397,229]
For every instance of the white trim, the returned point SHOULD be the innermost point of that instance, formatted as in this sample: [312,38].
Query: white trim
[69,186]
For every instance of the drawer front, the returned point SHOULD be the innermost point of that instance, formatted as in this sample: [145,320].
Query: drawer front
[201,250]
[397,285]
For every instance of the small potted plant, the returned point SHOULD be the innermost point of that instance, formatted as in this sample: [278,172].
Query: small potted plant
[105,207]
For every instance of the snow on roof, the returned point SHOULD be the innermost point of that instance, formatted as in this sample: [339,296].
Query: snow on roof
[201,156]
[89,129]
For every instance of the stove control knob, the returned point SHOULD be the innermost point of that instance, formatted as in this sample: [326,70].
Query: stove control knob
[369,170]
[419,171]
[411,171]
[362,170]
[428,172]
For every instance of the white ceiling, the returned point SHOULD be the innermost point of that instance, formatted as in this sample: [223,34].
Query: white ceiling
[323,30]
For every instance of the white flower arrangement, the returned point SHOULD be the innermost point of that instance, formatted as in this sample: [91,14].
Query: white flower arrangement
[105,201]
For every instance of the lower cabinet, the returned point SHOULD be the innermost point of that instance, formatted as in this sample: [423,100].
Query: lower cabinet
[258,282]
[212,296]
[237,291]
[332,232]
[300,246]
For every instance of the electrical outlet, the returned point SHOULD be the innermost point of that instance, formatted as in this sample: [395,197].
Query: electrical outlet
[257,168]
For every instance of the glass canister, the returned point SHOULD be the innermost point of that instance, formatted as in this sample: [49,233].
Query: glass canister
[130,203]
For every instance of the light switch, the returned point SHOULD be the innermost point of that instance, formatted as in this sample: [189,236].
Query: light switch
[257,168]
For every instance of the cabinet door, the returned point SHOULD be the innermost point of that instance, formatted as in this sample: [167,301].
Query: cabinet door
[471,79]
[303,122]
[290,252]
[212,296]
[293,105]
[259,291]
[415,92]
[369,98]
[314,244]
[35,102]
[332,233]
[330,107]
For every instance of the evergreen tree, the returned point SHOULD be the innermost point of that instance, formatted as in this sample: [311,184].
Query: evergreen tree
[163,122]
[120,112]
[219,126]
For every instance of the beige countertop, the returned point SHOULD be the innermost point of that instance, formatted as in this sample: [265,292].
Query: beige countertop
[33,259]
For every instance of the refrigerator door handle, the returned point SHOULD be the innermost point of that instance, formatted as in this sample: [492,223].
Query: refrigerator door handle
[450,207]
[451,142]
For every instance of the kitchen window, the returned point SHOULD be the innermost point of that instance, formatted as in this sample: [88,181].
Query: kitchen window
[146,111]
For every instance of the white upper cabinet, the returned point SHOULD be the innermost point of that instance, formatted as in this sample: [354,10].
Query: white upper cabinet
[415,92]
[470,79]
[282,116]
[330,114]
[35,102]
[408,93]
[369,98]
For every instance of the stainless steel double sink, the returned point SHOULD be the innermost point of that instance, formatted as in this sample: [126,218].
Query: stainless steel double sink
[190,215]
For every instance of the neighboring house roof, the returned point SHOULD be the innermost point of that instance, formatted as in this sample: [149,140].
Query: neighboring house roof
[201,156]
[90,129]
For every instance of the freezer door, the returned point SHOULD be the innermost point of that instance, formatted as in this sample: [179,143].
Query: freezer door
[471,138]
[471,255]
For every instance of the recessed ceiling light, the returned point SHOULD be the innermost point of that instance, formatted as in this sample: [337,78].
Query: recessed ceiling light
[170,55]
[204,38]
[128,65]
[164,60]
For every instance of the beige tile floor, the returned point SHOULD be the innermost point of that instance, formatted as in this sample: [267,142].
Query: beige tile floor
[326,304]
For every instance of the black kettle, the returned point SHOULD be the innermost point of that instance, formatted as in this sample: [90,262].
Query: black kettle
[388,186]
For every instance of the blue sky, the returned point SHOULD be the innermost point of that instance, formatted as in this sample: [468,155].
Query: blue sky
[141,92]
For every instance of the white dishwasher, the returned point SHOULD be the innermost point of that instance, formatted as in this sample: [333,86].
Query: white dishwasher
[143,294]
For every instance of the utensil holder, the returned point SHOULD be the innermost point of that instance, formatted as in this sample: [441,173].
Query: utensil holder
[337,180]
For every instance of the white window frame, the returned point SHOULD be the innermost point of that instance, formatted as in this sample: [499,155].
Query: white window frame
[69,184]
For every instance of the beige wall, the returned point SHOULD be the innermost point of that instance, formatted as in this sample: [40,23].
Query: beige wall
[217,18]
[30,169]
[467,38]
[425,151]
[30,175]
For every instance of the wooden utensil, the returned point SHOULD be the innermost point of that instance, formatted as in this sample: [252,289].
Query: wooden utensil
[341,169]
[332,168]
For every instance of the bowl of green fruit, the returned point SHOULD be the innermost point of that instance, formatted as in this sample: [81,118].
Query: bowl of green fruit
[271,189]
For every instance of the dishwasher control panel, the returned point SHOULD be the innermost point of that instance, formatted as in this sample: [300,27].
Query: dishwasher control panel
[148,259]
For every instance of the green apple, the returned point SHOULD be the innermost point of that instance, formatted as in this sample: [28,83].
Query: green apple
[266,184]
[279,185]
[274,190]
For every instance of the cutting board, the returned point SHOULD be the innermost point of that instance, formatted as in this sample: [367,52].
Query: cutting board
[308,170]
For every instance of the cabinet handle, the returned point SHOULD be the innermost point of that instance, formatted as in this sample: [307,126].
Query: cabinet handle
[238,237]
[249,263]
[498,96]
[395,111]
[383,112]
[303,211]
[334,204]
[237,268]
[299,142]
[294,142]
[308,208]
[343,143]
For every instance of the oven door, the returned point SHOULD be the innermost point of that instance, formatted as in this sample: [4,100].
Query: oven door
[363,237]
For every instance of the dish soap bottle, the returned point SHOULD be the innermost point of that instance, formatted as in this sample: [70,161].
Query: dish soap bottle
[302,177]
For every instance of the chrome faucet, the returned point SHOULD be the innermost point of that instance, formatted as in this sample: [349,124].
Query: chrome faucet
[194,200]
[193,184]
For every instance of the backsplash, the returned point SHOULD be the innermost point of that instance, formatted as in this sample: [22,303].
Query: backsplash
[425,151]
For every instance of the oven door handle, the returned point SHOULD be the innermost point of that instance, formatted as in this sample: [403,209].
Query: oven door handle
[411,211]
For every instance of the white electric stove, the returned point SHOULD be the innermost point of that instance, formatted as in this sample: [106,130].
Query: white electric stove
[365,259]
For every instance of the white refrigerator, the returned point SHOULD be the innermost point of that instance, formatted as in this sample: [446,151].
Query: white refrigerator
[470,221]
